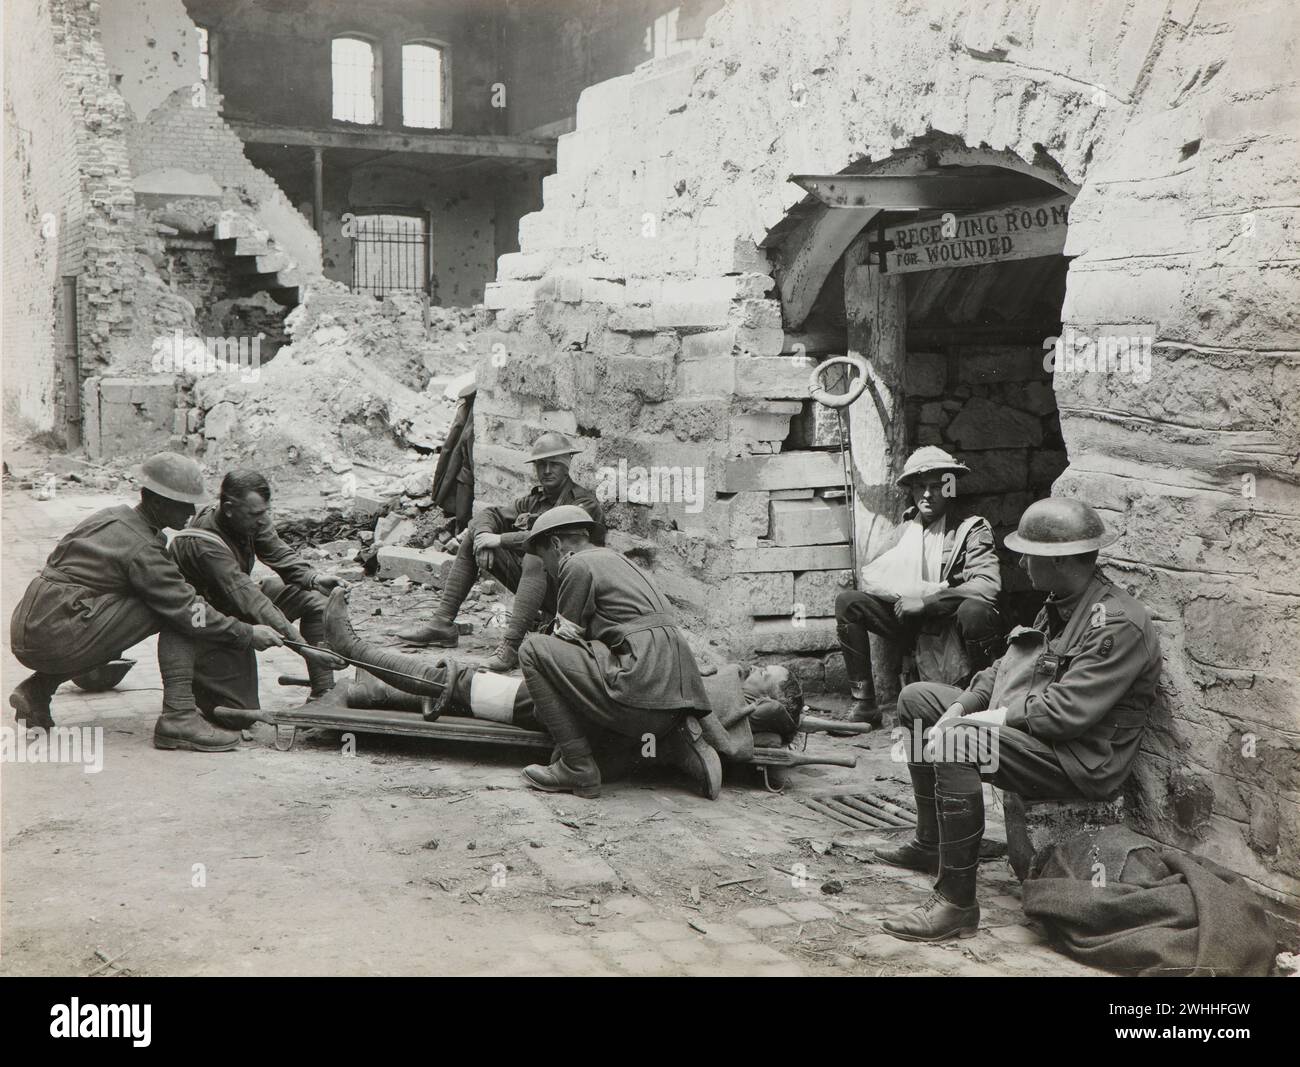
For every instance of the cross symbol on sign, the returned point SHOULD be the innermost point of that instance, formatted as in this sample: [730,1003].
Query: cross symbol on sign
[880,247]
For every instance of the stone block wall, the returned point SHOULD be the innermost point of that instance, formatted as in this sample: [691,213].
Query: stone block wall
[1177,123]
[992,407]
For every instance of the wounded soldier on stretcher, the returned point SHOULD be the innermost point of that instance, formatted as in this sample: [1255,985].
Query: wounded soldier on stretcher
[614,681]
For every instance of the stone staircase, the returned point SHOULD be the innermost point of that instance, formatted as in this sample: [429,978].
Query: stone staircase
[252,255]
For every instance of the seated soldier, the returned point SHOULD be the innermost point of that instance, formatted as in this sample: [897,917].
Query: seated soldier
[1060,715]
[108,585]
[494,542]
[216,553]
[933,591]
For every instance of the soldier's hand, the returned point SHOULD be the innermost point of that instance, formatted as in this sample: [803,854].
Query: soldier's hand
[265,637]
[327,583]
[327,660]
[565,629]
[486,540]
[908,605]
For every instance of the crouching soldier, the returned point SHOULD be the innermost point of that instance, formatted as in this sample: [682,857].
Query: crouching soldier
[934,591]
[615,663]
[620,674]
[216,553]
[495,543]
[108,585]
[1060,715]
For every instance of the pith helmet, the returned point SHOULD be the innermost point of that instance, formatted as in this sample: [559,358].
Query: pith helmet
[1056,526]
[174,476]
[556,518]
[927,460]
[552,445]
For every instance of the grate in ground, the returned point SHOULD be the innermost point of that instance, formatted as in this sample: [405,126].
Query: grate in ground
[865,811]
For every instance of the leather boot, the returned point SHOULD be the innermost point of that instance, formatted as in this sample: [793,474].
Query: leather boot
[951,911]
[341,638]
[504,659]
[574,772]
[185,728]
[456,679]
[922,852]
[437,632]
[864,707]
[938,919]
[31,700]
[685,748]
[367,691]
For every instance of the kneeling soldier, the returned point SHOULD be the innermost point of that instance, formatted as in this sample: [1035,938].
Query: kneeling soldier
[616,663]
[108,585]
[1060,715]
[216,553]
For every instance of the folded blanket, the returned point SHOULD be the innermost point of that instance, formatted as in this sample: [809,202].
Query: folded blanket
[1123,902]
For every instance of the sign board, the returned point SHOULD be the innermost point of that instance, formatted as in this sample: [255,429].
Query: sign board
[971,239]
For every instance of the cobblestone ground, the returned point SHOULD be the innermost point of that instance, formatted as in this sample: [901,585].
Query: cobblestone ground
[412,857]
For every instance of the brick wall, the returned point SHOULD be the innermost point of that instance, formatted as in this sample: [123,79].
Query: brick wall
[64,210]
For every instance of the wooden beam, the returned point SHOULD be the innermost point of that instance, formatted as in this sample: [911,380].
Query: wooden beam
[487,146]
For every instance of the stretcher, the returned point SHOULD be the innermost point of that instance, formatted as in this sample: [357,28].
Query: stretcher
[334,715]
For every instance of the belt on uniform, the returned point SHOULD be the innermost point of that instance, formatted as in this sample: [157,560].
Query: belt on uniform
[652,621]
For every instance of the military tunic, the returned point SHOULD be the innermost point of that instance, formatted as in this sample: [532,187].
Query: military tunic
[1077,687]
[631,660]
[219,565]
[108,585]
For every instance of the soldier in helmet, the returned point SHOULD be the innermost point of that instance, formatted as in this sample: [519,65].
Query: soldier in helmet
[1060,715]
[616,672]
[108,585]
[495,542]
[933,591]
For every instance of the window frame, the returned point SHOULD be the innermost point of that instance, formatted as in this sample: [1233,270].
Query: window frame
[211,81]
[444,87]
[376,77]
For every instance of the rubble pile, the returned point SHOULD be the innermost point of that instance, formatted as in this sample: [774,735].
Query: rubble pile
[360,384]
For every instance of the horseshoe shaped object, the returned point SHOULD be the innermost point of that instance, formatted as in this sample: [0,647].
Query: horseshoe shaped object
[838,400]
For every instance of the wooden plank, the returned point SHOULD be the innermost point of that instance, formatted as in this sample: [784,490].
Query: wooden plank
[968,239]
[488,146]
[806,558]
[408,724]
[785,470]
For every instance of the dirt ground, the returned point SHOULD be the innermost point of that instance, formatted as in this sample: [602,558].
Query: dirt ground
[413,857]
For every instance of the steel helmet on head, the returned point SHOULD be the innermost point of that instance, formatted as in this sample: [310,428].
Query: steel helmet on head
[174,476]
[559,518]
[1056,526]
[552,445]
